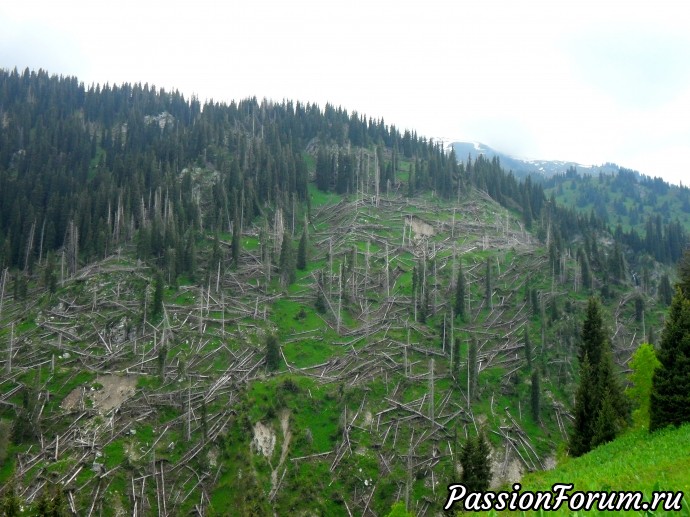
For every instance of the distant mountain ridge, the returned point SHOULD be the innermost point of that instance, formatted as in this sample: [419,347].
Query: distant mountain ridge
[523,168]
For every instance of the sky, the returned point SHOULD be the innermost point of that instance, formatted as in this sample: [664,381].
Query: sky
[584,81]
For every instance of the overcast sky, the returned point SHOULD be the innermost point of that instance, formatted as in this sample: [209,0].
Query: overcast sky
[574,80]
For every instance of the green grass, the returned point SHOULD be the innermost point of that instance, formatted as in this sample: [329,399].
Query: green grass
[114,454]
[250,243]
[312,406]
[186,298]
[319,198]
[636,461]
[7,469]
[292,317]
[308,352]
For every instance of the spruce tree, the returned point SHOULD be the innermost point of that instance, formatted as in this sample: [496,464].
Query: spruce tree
[460,291]
[535,398]
[287,261]
[665,290]
[42,507]
[670,399]
[320,303]
[10,504]
[684,274]
[593,336]
[190,257]
[236,243]
[534,302]
[49,275]
[415,284]
[595,423]
[528,349]
[583,427]
[476,464]
[162,356]
[302,250]
[488,286]
[272,352]
[585,272]
[157,307]
[605,426]
[473,368]
[456,359]
[410,181]
[607,385]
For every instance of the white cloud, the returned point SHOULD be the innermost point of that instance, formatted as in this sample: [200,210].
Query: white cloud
[577,80]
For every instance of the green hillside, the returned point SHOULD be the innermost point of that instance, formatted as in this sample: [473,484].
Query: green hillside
[163,353]
[637,461]
[649,215]
[366,400]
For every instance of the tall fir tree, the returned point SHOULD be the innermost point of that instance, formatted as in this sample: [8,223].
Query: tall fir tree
[665,290]
[236,242]
[287,261]
[593,337]
[473,369]
[302,250]
[605,426]
[535,399]
[49,275]
[460,293]
[272,352]
[684,274]
[595,423]
[157,306]
[528,349]
[475,458]
[585,407]
[608,385]
[488,286]
[456,359]
[670,396]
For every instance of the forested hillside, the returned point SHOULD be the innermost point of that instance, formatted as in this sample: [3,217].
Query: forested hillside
[646,214]
[282,307]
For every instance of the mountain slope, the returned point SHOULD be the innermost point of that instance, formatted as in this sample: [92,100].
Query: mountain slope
[164,354]
[647,214]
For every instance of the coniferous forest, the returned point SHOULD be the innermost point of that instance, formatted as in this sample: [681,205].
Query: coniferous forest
[285,308]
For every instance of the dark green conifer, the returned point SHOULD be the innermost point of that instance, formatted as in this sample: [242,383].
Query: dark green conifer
[162,356]
[585,405]
[489,288]
[535,403]
[10,502]
[236,243]
[528,348]
[606,424]
[460,292]
[287,261]
[593,336]
[456,358]
[476,464]
[598,382]
[665,290]
[50,277]
[473,367]
[272,352]
[157,306]
[684,274]
[302,250]
[670,397]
